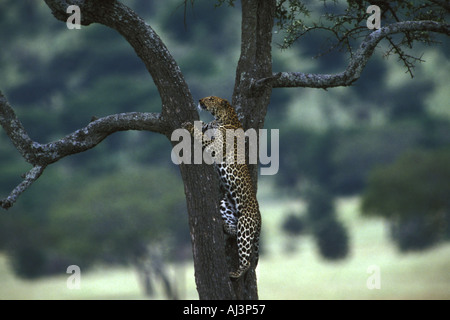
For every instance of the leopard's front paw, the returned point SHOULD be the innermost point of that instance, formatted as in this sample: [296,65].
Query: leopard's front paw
[234,274]
[188,126]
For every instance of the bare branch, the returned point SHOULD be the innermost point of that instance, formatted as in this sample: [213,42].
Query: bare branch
[166,74]
[358,61]
[41,155]
[15,130]
[88,137]
[408,60]
[29,178]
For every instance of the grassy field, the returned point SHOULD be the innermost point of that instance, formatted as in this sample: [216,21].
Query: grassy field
[282,273]
[305,275]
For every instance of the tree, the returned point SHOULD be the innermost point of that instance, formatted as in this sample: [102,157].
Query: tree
[125,230]
[330,235]
[413,195]
[252,91]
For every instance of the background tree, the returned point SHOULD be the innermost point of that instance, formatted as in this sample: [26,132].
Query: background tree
[89,224]
[251,95]
[331,236]
[125,230]
[413,195]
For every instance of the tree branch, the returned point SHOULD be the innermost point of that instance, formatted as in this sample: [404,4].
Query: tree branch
[95,132]
[15,130]
[167,76]
[41,155]
[30,177]
[357,63]
[148,46]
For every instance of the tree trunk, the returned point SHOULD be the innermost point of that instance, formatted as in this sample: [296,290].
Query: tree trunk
[251,105]
[201,184]
[202,197]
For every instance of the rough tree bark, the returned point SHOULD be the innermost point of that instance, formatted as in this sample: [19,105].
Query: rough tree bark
[255,62]
[251,96]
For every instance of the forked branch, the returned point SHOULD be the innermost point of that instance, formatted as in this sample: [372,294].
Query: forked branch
[356,64]
[160,64]
[41,155]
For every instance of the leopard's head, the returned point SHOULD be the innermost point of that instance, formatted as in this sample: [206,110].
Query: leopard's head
[220,108]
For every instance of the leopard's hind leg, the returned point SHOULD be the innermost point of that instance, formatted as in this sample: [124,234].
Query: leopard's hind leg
[228,212]
[247,233]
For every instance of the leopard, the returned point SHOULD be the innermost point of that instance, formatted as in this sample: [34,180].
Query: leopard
[239,206]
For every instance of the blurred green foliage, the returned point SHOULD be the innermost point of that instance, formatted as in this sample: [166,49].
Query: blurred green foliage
[417,182]
[114,218]
[121,213]
[413,192]
[331,236]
